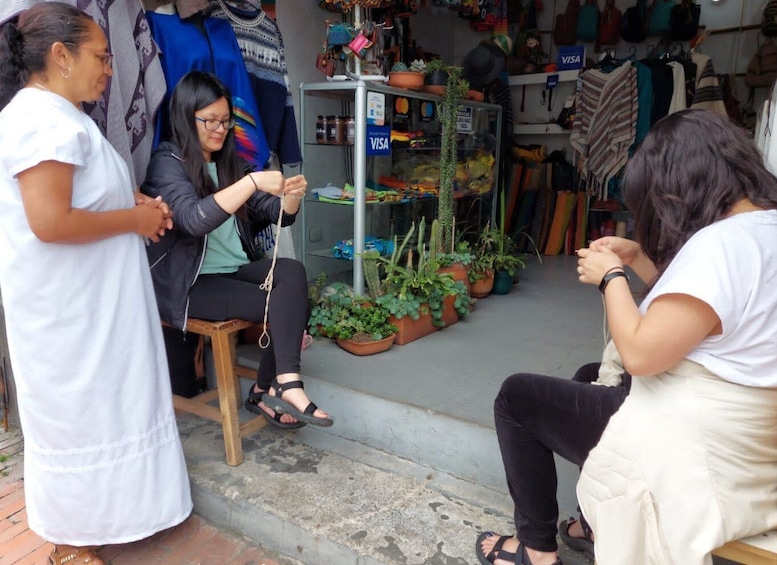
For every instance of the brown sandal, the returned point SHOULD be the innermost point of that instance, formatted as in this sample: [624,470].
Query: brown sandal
[75,557]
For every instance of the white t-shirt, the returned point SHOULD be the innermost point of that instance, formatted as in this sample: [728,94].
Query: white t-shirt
[732,266]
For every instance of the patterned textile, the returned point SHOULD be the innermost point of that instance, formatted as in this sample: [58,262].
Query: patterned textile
[125,113]
[605,123]
[261,46]
[708,96]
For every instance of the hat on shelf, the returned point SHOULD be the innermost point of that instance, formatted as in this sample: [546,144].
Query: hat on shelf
[483,64]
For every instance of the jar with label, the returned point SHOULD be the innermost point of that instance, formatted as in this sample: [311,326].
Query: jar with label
[320,129]
[350,130]
[332,126]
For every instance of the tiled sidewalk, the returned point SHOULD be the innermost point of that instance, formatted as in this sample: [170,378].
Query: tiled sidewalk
[195,542]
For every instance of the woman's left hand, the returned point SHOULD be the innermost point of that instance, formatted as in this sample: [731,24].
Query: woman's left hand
[296,187]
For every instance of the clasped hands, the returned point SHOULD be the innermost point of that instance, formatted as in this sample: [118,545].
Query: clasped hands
[604,255]
[155,216]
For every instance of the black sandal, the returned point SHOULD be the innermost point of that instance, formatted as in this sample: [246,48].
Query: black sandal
[252,405]
[280,406]
[585,544]
[498,553]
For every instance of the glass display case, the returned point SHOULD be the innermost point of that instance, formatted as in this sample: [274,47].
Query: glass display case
[371,156]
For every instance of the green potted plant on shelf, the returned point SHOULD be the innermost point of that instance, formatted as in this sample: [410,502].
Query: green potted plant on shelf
[357,324]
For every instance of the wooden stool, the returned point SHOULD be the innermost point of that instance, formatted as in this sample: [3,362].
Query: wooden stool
[222,338]
[756,550]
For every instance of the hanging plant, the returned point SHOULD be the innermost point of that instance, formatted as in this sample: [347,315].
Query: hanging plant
[447,110]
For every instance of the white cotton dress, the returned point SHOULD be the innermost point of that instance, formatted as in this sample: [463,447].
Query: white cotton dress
[103,462]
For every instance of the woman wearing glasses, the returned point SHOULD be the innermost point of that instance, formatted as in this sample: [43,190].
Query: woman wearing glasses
[103,462]
[209,265]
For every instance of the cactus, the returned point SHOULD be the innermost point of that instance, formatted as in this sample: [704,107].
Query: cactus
[398,67]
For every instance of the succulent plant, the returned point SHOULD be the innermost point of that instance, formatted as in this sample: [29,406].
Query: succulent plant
[398,67]
[418,66]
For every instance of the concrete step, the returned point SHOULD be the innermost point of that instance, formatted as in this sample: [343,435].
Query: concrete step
[321,499]
[445,443]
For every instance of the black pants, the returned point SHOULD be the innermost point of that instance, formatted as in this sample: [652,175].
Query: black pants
[537,416]
[237,295]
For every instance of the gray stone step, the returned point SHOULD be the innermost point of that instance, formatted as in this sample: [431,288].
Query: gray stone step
[340,502]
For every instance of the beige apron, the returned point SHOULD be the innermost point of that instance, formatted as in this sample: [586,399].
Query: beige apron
[688,463]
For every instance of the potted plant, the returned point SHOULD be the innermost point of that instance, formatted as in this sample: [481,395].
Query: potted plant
[436,73]
[457,263]
[412,288]
[357,325]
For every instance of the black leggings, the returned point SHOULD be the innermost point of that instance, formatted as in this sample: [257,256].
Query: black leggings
[537,416]
[237,295]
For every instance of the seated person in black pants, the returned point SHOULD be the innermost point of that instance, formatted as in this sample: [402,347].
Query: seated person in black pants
[209,266]
[537,416]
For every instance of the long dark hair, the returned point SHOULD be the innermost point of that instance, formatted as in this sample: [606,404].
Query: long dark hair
[193,92]
[692,167]
[26,40]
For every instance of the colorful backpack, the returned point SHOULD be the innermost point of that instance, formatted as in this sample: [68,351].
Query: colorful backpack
[565,32]
[660,19]
[610,24]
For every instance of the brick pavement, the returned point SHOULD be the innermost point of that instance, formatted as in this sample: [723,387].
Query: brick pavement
[194,542]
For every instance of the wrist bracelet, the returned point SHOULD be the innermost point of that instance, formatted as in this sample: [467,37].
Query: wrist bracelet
[256,186]
[611,274]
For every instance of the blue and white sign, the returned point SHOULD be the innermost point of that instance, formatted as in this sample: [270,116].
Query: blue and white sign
[552,82]
[378,140]
[571,57]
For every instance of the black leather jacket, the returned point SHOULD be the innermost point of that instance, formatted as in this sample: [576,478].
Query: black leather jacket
[177,258]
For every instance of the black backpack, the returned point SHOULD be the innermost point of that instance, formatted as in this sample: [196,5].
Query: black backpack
[684,21]
[634,21]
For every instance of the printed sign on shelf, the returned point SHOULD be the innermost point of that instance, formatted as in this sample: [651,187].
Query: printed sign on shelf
[376,108]
[378,140]
[401,108]
[464,119]
[571,57]
[427,111]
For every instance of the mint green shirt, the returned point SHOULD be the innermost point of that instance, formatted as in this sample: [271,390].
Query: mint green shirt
[224,253]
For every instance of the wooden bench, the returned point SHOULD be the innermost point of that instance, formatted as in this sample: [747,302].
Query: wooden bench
[755,550]
[222,338]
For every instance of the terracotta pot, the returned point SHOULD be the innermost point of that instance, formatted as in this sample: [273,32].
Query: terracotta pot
[482,287]
[366,347]
[411,330]
[459,273]
[406,79]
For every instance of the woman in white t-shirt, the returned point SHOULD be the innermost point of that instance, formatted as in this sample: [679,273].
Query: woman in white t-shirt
[689,461]
[103,461]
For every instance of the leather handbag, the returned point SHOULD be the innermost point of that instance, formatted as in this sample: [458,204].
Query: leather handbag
[610,24]
[660,18]
[634,23]
[684,21]
[588,21]
[565,32]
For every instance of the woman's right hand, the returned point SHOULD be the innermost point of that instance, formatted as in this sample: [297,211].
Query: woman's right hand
[627,250]
[271,182]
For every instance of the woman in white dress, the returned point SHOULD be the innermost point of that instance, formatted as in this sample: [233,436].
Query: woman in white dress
[103,460]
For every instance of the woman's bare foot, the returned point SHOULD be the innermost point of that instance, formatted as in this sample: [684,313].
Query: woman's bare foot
[296,396]
[285,418]
[512,545]
[576,530]
[73,555]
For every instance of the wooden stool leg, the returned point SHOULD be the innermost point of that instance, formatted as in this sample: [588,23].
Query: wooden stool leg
[233,357]
[225,376]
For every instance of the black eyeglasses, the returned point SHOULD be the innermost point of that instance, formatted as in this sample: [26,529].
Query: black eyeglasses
[213,125]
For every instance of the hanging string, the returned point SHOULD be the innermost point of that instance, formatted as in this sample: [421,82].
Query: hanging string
[264,339]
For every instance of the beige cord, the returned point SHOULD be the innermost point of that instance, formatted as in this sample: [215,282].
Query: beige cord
[264,339]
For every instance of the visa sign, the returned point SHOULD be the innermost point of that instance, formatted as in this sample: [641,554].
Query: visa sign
[378,140]
[571,57]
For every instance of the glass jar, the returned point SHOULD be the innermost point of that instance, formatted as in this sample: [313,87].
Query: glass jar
[320,129]
[332,125]
[350,130]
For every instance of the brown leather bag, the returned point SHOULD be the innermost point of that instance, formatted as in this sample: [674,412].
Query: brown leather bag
[565,32]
